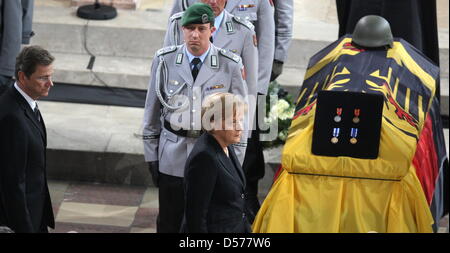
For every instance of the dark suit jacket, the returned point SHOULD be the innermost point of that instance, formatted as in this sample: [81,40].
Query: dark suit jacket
[214,190]
[25,204]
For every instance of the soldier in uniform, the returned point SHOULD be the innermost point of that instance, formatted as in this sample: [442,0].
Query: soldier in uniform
[232,33]
[261,14]
[284,14]
[181,76]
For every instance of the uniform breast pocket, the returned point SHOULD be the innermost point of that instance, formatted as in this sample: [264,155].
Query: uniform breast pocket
[174,87]
[166,137]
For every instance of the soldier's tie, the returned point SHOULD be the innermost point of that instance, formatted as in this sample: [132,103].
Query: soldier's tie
[36,113]
[195,62]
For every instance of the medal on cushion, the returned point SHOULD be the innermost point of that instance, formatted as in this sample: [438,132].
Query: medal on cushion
[338,118]
[354,134]
[335,139]
[356,118]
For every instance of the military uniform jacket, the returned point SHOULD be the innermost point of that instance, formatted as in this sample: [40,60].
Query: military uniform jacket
[284,14]
[234,34]
[261,14]
[220,72]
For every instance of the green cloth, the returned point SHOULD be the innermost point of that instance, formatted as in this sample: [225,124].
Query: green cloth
[198,13]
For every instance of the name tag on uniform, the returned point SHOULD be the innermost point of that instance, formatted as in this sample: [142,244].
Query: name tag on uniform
[244,7]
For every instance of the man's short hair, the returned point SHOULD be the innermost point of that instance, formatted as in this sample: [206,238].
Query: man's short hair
[30,57]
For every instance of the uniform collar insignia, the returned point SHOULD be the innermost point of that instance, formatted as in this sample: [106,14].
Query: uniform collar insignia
[230,28]
[214,61]
[179,59]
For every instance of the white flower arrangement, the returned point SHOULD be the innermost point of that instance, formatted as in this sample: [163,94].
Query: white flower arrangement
[282,112]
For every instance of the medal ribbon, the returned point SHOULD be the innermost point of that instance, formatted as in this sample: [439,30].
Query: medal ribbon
[336,132]
[354,132]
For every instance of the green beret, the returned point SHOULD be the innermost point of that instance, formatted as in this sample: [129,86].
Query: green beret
[198,13]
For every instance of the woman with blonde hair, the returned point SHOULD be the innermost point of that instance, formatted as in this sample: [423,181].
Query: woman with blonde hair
[214,181]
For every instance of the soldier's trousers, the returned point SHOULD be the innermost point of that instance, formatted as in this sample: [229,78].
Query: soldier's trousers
[254,169]
[171,204]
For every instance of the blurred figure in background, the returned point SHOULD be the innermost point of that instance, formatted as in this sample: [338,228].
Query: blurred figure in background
[284,20]
[16,19]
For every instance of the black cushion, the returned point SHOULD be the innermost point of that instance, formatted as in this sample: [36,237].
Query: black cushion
[366,131]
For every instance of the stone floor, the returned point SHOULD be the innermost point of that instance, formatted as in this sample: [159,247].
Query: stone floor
[102,208]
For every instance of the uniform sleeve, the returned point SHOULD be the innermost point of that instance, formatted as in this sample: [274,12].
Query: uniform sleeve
[13,148]
[176,7]
[174,34]
[250,61]
[284,13]
[151,122]
[27,20]
[199,181]
[265,31]
[239,87]
[169,38]
[11,35]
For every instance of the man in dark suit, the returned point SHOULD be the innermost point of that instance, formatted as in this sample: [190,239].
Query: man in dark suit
[25,204]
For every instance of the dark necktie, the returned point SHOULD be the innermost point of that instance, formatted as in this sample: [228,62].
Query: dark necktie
[195,62]
[36,113]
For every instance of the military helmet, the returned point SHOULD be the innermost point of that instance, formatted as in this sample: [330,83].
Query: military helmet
[372,31]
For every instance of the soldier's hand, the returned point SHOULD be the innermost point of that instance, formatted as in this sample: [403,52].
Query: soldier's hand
[277,69]
[153,167]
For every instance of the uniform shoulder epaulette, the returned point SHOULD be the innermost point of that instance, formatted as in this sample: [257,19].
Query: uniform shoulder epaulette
[230,55]
[166,50]
[177,15]
[244,22]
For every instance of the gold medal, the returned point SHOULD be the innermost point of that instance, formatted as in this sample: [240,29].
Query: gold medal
[335,139]
[353,134]
[356,120]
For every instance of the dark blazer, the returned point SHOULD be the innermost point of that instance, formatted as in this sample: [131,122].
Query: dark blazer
[214,190]
[25,204]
